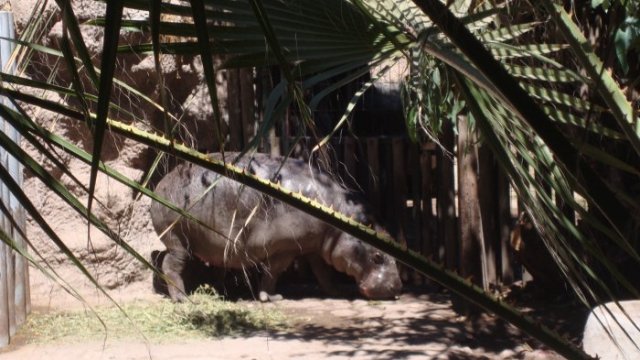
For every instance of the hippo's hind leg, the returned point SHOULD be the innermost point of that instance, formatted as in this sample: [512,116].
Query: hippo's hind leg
[173,268]
[276,265]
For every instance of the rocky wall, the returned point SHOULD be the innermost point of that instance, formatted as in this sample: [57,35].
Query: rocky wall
[121,208]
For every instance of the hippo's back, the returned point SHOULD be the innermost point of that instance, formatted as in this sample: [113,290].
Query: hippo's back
[238,224]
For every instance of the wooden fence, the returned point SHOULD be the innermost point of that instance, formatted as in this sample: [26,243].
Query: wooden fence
[428,197]
[418,194]
[14,278]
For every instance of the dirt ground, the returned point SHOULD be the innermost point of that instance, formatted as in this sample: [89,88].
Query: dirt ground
[416,326]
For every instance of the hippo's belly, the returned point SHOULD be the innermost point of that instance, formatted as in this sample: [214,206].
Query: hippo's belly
[283,231]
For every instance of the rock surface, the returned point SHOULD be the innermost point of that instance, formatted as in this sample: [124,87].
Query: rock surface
[117,205]
[612,331]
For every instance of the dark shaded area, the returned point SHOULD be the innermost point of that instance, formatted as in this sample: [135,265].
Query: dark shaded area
[428,327]
[416,328]
[378,112]
[561,312]
[297,282]
[231,284]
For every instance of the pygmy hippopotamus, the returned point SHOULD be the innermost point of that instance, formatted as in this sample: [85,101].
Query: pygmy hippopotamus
[245,228]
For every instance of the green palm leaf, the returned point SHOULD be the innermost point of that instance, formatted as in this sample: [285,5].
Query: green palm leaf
[512,86]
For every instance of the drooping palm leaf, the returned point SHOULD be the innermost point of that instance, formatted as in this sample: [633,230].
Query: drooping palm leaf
[309,48]
[523,127]
[604,83]
[107,68]
[71,21]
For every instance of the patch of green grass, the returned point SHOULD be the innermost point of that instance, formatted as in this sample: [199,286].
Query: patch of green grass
[205,315]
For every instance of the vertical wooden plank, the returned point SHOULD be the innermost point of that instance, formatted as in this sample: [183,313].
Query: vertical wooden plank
[21,266]
[8,264]
[262,89]
[274,143]
[488,213]
[13,266]
[27,282]
[396,200]
[447,229]
[526,275]
[234,108]
[415,211]
[337,151]
[429,246]
[4,250]
[4,297]
[247,98]
[504,225]
[285,141]
[399,194]
[349,162]
[11,286]
[373,161]
[470,222]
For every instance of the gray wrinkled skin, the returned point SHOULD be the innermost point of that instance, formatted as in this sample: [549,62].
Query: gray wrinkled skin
[252,228]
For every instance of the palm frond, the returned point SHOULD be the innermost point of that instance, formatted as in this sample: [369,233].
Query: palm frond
[512,86]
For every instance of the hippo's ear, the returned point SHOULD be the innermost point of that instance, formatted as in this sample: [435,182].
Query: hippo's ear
[264,171]
[258,170]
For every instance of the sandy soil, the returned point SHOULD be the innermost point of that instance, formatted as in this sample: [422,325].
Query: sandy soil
[416,326]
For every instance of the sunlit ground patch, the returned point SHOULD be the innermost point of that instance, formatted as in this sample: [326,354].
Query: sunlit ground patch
[205,315]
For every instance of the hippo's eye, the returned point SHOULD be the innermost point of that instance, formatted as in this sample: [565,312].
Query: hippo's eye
[378,259]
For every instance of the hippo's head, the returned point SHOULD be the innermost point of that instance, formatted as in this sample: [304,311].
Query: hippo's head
[375,272]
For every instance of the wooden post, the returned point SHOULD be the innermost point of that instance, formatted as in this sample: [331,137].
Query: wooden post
[397,198]
[6,24]
[262,89]
[349,160]
[487,194]
[373,161]
[247,99]
[4,297]
[399,193]
[11,283]
[447,229]
[234,107]
[14,291]
[22,291]
[429,242]
[240,101]
[504,227]
[5,312]
[470,221]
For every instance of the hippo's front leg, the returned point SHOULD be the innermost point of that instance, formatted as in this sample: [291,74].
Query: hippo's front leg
[323,273]
[173,268]
[277,264]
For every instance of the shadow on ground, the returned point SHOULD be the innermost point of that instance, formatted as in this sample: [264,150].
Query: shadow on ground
[417,321]
[437,328]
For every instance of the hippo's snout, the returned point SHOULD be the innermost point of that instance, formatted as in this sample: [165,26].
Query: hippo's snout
[381,285]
